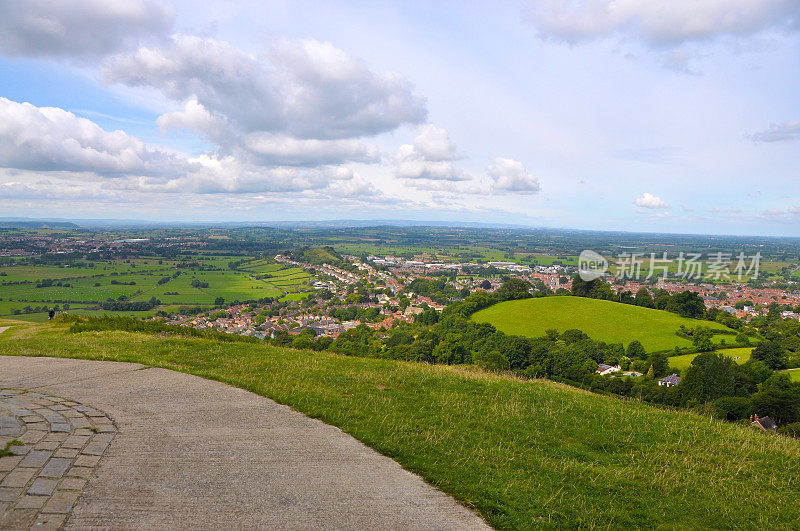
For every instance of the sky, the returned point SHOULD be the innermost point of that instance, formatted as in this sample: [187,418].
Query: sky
[633,115]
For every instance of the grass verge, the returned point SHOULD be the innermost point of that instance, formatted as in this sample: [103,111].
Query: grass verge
[523,454]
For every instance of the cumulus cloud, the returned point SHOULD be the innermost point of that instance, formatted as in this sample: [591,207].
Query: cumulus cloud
[194,117]
[47,139]
[285,150]
[509,175]
[52,139]
[78,28]
[304,89]
[46,189]
[660,22]
[778,132]
[431,156]
[434,144]
[650,201]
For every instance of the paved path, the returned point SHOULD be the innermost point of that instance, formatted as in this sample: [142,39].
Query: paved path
[192,453]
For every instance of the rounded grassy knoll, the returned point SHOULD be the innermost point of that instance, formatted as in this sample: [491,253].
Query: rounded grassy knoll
[607,321]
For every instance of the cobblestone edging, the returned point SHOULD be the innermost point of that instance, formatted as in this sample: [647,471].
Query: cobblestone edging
[62,443]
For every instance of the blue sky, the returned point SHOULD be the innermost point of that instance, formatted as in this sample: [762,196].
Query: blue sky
[664,116]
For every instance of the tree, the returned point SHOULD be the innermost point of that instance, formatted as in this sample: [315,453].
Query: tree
[779,399]
[403,303]
[451,351]
[643,298]
[513,289]
[219,301]
[687,304]
[659,363]
[582,288]
[517,350]
[701,338]
[732,407]
[710,376]
[771,353]
[493,361]
[636,350]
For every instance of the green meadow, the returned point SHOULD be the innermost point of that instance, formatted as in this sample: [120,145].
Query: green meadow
[137,280]
[602,320]
[739,355]
[523,454]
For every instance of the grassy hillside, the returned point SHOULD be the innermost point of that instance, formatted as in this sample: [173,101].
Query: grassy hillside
[683,362]
[524,454]
[607,321]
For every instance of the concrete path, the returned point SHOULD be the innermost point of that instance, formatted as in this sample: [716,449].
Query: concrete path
[192,453]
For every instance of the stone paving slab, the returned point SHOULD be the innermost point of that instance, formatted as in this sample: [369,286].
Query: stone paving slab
[30,477]
[183,452]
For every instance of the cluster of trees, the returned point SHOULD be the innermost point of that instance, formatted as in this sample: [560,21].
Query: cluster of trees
[49,282]
[685,303]
[318,256]
[437,289]
[199,284]
[35,309]
[129,306]
[164,280]
[350,313]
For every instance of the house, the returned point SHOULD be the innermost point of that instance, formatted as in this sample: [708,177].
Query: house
[604,369]
[765,423]
[669,381]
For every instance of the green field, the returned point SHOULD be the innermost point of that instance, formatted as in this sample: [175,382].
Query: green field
[523,454]
[137,280]
[607,321]
[683,362]
[794,374]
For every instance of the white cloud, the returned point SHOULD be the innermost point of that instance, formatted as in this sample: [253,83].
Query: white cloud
[47,189]
[78,28]
[660,22]
[52,139]
[778,132]
[509,175]
[305,89]
[650,201]
[195,117]
[431,156]
[285,150]
[47,139]
[213,174]
[434,144]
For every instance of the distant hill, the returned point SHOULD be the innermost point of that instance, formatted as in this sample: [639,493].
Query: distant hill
[317,255]
[607,321]
[38,225]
